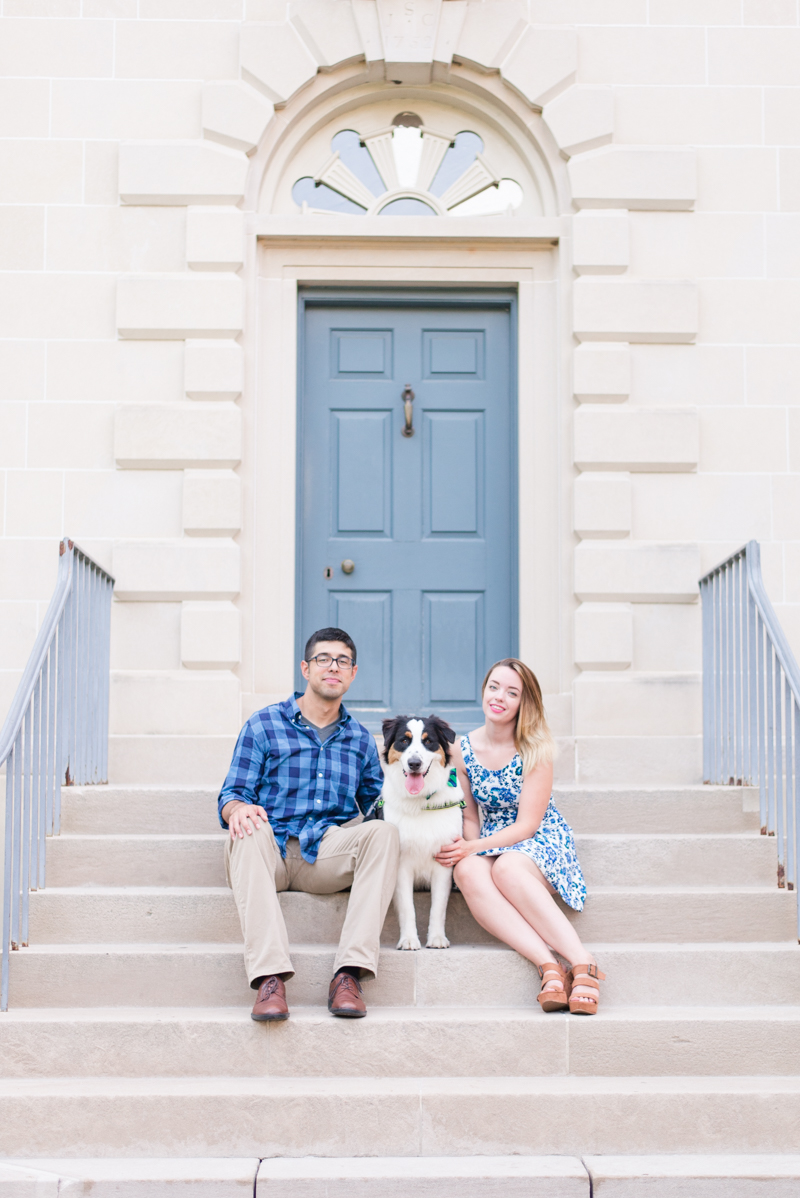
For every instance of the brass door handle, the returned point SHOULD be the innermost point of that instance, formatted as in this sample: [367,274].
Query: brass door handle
[348,566]
[408,409]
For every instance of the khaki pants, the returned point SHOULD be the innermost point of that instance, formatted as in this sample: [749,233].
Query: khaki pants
[363,856]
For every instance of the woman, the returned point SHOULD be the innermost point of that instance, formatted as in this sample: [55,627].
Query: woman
[509,863]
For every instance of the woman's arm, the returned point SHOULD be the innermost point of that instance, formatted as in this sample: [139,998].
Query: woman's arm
[533,800]
[471,827]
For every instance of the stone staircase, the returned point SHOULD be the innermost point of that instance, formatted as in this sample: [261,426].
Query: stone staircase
[129,1064]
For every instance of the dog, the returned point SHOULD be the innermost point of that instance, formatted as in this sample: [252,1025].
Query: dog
[422,798]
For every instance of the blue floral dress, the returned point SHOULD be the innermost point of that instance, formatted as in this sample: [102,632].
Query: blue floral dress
[552,848]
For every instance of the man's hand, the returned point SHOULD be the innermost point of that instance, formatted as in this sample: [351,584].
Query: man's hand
[243,818]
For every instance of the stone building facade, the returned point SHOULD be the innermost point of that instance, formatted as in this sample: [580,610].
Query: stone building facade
[636,194]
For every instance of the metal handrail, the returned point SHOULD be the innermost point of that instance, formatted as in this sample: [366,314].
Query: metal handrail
[751,700]
[55,733]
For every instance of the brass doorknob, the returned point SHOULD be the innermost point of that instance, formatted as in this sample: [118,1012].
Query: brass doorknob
[348,566]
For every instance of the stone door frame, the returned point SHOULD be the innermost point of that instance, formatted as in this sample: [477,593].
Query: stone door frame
[528,266]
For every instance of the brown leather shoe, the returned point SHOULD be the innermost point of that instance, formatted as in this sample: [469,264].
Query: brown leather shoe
[271,1001]
[344,997]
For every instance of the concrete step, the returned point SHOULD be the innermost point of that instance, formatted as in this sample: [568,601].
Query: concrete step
[681,1176]
[659,809]
[90,810]
[689,809]
[208,1177]
[423,1177]
[403,1116]
[306,1177]
[82,915]
[671,859]
[399,1042]
[608,859]
[692,1176]
[133,859]
[701,1176]
[212,975]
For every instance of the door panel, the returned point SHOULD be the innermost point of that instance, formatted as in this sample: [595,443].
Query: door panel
[361,351]
[453,472]
[367,617]
[453,648]
[454,354]
[428,520]
[363,472]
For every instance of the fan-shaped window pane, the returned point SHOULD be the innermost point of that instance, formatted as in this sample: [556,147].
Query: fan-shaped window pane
[494,201]
[458,157]
[407,147]
[323,197]
[407,206]
[357,158]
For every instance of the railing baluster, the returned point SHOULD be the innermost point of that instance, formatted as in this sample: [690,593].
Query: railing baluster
[725,774]
[762,726]
[108,594]
[56,730]
[7,907]
[752,727]
[94,630]
[34,787]
[705,612]
[51,726]
[43,829]
[779,774]
[17,844]
[738,679]
[26,825]
[791,785]
[770,742]
[81,678]
[717,654]
[797,813]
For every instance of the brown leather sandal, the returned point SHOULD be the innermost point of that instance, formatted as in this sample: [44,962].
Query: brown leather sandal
[587,976]
[553,999]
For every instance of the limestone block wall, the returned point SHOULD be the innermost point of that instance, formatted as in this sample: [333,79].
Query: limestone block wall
[129,134]
[684,442]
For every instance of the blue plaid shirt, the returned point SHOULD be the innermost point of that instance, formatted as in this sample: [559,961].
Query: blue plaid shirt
[304,786]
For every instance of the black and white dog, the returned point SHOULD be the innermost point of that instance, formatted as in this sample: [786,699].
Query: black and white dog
[422,798]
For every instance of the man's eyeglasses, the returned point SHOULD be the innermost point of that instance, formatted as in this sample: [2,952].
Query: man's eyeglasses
[324,660]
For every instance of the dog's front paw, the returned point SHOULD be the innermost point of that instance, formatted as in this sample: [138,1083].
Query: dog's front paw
[438,941]
[409,942]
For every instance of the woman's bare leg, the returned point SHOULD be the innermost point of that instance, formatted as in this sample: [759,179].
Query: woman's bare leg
[494,912]
[527,890]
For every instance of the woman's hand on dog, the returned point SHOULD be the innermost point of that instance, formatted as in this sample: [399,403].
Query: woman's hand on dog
[243,817]
[450,854]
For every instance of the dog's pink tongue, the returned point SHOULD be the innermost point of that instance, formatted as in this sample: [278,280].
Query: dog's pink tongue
[414,783]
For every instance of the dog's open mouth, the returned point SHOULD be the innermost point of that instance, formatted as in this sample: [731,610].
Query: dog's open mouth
[415,782]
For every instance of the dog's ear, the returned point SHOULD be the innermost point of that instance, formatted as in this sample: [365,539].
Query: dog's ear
[390,729]
[444,734]
[443,729]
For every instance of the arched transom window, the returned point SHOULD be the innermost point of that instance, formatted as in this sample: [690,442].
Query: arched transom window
[407,169]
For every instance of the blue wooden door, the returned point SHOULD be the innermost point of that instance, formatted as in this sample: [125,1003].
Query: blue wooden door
[427,520]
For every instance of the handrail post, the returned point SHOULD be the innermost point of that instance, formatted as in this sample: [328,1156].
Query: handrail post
[707,679]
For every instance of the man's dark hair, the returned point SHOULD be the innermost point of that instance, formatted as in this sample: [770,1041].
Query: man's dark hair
[329,634]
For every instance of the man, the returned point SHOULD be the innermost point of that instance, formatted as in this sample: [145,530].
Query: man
[303,773]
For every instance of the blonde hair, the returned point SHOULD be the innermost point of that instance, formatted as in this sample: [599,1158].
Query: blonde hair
[533,738]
